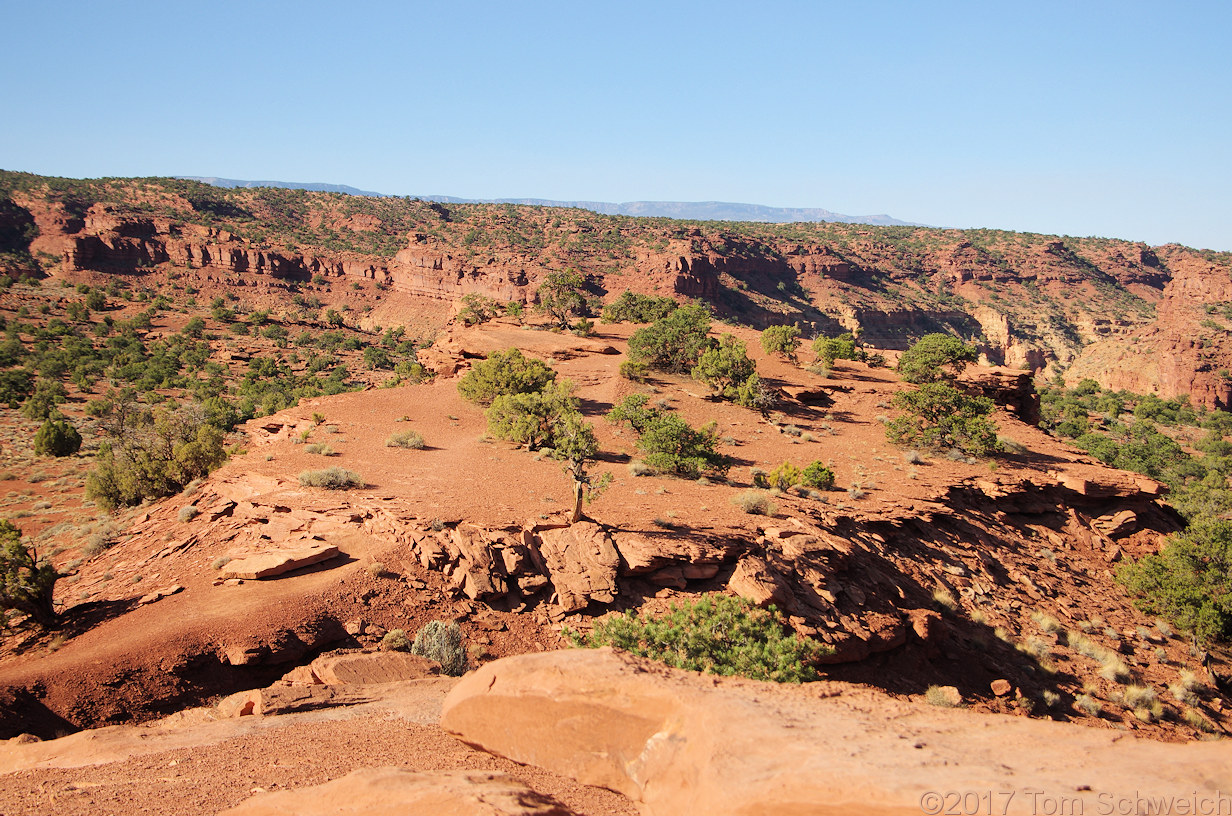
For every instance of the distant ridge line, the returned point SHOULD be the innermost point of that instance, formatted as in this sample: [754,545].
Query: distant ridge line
[683,210]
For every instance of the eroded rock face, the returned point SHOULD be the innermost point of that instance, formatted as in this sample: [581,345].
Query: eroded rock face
[682,744]
[398,792]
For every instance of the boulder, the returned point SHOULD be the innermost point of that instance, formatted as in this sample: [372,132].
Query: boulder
[398,791]
[1116,525]
[680,743]
[755,580]
[581,563]
[277,562]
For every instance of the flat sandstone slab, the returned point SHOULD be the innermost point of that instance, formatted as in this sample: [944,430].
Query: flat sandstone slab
[277,562]
[682,743]
[399,792]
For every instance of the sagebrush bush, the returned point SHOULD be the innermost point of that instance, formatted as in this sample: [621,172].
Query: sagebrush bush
[405,439]
[442,641]
[716,635]
[334,478]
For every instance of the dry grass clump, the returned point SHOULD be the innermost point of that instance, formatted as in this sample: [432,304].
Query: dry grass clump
[637,468]
[319,448]
[1088,705]
[945,598]
[1186,688]
[755,502]
[405,439]
[334,478]
[1196,720]
[1046,623]
[1112,668]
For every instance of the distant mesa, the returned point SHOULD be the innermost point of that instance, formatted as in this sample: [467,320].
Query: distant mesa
[685,210]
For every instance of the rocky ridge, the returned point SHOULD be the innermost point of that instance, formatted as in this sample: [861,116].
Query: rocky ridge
[1126,314]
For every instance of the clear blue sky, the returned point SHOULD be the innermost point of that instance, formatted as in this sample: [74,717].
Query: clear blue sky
[1080,118]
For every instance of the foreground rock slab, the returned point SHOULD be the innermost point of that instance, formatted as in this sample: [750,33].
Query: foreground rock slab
[272,564]
[397,792]
[682,743]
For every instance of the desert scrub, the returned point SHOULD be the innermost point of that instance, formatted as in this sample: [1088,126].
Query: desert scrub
[755,502]
[320,449]
[817,476]
[395,640]
[442,641]
[188,513]
[942,696]
[334,478]
[716,635]
[405,439]
[637,468]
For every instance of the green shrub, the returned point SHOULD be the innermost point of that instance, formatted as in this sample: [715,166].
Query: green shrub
[675,342]
[405,439]
[42,403]
[442,642]
[507,372]
[1189,581]
[755,394]
[784,476]
[938,415]
[376,357]
[817,476]
[57,437]
[151,455]
[716,635]
[477,309]
[634,308]
[636,372]
[829,349]
[29,581]
[935,357]
[334,478]
[668,443]
[15,386]
[532,419]
[781,340]
[561,296]
[724,367]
